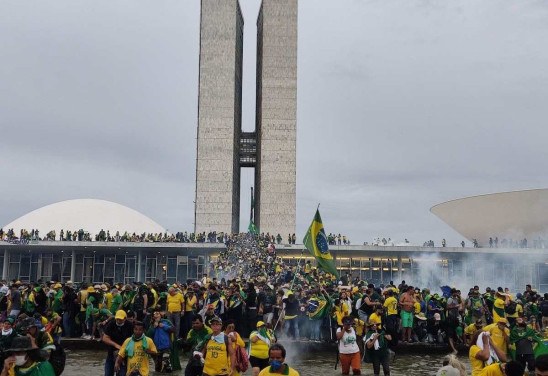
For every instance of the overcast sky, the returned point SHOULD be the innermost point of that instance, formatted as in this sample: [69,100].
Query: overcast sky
[401,105]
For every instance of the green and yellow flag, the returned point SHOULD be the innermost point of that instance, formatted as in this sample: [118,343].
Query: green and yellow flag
[315,241]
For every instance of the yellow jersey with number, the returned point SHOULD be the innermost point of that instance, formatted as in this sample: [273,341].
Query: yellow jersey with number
[216,359]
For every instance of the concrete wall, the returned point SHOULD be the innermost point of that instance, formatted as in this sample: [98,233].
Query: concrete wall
[219,117]
[276,116]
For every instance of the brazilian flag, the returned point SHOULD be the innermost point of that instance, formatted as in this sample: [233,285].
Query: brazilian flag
[315,241]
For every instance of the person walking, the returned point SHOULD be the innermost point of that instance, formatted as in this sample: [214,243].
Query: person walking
[349,351]
[376,347]
[136,351]
[116,332]
[219,355]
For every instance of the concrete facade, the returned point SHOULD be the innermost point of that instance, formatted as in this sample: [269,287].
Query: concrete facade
[222,148]
[217,203]
[276,117]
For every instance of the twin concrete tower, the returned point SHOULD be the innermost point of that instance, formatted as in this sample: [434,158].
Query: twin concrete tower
[223,148]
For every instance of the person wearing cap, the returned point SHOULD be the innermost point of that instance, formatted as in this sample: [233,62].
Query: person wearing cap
[6,335]
[218,353]
[499,333]
[40,339]
[259,342]
[136,351]
[24,359]
[276,360]
[175,303]
[471,329]
[115,333]
[501,301]
[349,351]
[93,300]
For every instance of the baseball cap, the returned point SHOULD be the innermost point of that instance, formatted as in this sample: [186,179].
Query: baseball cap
[216,319]
[260,323]
[121,315]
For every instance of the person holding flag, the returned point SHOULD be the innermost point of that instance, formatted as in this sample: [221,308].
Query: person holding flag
[315,241]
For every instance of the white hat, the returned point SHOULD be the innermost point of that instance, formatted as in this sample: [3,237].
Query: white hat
[448,371]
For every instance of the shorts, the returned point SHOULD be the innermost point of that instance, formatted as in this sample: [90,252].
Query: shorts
[258,363]
[406,319]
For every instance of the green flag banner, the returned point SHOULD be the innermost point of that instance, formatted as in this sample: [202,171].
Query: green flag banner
[315,241]
[252,229]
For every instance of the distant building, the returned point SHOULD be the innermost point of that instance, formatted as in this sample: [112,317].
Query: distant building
[222,148]
[508,215]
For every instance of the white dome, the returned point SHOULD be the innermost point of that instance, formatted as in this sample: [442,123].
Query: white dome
[87,214]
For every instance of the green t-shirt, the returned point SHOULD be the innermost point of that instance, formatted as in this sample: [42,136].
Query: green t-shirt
[37,369]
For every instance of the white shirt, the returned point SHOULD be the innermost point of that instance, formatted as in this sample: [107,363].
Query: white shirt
[348,344]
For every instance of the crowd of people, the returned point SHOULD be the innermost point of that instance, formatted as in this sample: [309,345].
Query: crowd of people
[250,293]
[125,236]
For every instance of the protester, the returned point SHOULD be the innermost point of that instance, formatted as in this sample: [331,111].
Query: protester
[349,351]
[136,351]
[260,341]
[24,359]
[376,348]
[219,355]
[116,332]
[276,359]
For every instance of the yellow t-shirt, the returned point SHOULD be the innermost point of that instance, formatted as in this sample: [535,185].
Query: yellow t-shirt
[259,349]
[289,372]
[375,318]
[475,364]
[190,303]
[217,361]
[492,370]
[498,310]
[175,302]
[108,300]
[417,306]
[391,304]
[83,298]
[497,336]
[341,312]
[139,361]
[471,329]
[359,327]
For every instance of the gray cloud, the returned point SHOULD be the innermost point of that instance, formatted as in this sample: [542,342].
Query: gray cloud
[401,105]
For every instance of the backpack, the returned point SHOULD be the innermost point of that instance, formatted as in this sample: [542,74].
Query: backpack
[242,359]
[511,308]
